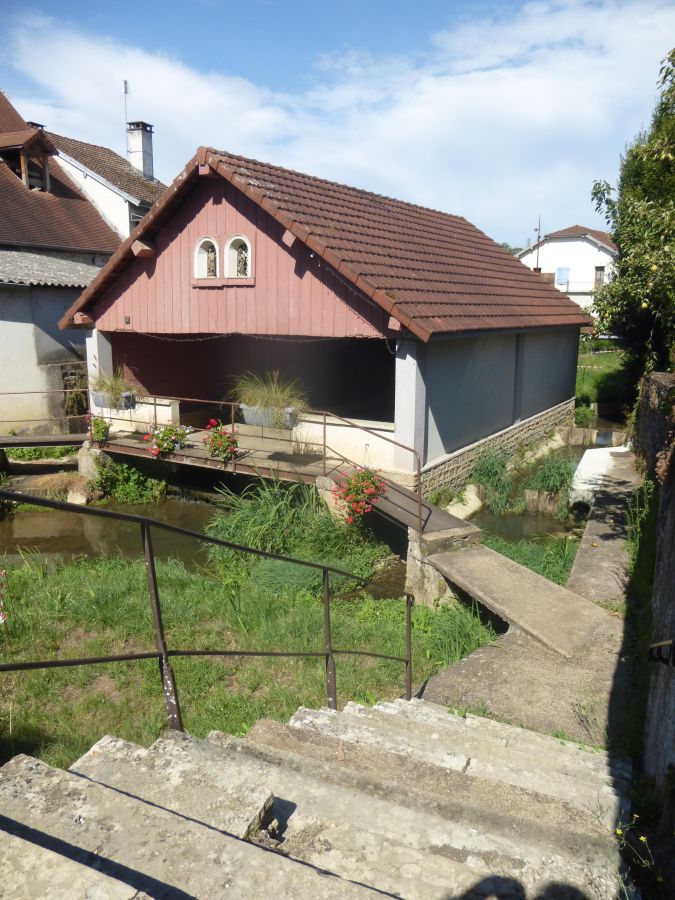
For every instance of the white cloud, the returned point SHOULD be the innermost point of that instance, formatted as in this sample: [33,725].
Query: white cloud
[503,118]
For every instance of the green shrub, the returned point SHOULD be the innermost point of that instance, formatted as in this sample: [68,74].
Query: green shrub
[444,496]
[491,476]
[30,453]
[583,416]
[125,484]
[553,474]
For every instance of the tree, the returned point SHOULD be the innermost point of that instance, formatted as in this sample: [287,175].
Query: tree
[638,304]
[514,251]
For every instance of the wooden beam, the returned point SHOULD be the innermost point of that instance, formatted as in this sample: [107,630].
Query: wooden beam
[24,169]
[144,249]
[83,320]
[288,238]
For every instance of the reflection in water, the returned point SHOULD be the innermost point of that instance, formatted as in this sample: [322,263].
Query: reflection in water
[66,535]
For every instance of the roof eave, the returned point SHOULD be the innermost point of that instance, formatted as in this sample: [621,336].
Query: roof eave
[99,178]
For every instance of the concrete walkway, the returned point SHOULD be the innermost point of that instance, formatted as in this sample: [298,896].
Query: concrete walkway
[559,668]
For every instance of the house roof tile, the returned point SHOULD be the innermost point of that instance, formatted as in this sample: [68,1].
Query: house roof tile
[61,217]
[436,272]
[112,167]
[580,231]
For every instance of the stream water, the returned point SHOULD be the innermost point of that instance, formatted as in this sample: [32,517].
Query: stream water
[518,526]
[53,533]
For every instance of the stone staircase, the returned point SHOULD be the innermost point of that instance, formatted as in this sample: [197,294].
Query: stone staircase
[404,799]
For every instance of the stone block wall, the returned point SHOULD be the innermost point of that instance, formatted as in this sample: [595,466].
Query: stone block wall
[655,440]
[454,470]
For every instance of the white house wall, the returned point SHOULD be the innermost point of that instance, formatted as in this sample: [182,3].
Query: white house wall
[580,256]
[111,206]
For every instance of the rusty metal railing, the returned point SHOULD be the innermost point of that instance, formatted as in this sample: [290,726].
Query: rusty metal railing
[323,416]
[163,653]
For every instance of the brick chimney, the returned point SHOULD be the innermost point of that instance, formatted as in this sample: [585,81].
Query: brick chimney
[139,147]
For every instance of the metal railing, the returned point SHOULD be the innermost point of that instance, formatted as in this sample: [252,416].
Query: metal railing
[663,652]
[163,653]
[324,417]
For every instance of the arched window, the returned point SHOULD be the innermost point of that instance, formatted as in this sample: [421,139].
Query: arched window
[206,259]
[238,258]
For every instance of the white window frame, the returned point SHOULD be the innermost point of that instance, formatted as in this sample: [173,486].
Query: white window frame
[231,257]
[197,259]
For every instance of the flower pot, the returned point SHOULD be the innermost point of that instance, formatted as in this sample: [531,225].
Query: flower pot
[101,399]
[266,417]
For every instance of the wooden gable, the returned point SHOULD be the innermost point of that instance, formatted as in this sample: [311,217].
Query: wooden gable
[292,291]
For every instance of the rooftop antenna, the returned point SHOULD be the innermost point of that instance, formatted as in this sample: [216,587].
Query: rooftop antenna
[126,117]
[537,229]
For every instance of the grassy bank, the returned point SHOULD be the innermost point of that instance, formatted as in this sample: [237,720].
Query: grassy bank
[551,557]
[99,607]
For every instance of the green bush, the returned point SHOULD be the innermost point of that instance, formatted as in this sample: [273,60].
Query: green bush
[583,416]
[551,557]
[553,474]
[491,476]
[30,453]
[126,484]
[444,496]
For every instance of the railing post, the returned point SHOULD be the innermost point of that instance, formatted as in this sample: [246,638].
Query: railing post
[154,413]
[331,687]
[419,491]
[324,442]
[173,713]
[409,600]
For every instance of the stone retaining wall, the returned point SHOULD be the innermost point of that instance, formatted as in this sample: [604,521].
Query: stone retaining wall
[454,471]
[655,440]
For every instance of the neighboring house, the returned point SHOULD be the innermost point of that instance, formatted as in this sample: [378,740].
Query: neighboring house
[404,318]
[122,191]
[53,240]
[576,260]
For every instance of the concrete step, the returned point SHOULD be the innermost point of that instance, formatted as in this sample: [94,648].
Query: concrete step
[558,618]
[473,735]
[421,785]
[409,740]
[322,822]
[138,844]
[239,807]
[514,832]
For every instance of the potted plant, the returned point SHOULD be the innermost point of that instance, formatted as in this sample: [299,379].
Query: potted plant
[98,430]
[114,391]
[270,400]
[358,492]
[167,439]
[221,441]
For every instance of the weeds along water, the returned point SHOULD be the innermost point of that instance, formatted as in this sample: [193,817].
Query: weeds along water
[92,607]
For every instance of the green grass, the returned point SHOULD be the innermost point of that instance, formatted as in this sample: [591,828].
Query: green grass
[101,607]
[31,453]
[605,377]
[490,475]
[551,557]
[97,607]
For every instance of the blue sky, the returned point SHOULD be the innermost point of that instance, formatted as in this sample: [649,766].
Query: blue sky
[491,110]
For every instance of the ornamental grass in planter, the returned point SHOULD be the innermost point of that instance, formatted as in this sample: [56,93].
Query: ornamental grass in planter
[113,391]
[270,400]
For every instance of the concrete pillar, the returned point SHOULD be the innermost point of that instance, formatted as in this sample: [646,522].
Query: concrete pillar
[410,403]
[99,355]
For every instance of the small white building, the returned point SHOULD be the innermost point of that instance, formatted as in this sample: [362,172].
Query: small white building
[577,260]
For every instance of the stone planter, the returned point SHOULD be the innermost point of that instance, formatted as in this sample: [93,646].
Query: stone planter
[266,417]
[105,401]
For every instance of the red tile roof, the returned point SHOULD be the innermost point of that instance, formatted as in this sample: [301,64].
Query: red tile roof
[580,231]
[60,218]
[434,272]
[111,166]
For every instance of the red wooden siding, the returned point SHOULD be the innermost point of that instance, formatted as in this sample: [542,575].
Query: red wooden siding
[291,293]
